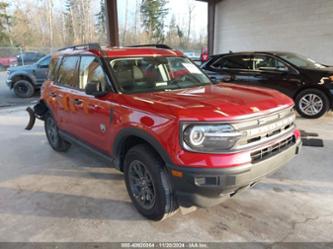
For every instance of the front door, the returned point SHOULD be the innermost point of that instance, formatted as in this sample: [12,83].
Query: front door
[92,116]
[273,73]
[42,70]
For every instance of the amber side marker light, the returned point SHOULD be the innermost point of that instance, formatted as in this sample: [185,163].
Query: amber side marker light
[176,173]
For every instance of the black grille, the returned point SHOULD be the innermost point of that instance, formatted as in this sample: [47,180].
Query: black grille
[268,152]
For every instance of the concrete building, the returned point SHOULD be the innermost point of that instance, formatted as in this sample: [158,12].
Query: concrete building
[301,26]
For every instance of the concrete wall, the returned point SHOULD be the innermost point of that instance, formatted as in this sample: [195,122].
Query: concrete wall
[302,26]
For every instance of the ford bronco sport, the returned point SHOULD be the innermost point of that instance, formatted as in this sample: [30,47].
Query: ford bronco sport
[179,139]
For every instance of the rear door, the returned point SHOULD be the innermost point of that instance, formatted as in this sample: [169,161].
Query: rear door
[60,92]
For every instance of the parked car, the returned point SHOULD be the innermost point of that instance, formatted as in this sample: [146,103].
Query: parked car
[179,139]
[308,82]
[25,80]
[28,58]
[7,61]
[204,56]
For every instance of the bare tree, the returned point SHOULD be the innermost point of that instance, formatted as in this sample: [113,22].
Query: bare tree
[190,10]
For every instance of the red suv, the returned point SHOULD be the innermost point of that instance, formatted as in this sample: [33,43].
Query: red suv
[179,139]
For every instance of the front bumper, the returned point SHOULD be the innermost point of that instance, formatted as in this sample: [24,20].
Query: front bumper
[9,83]
[208,187]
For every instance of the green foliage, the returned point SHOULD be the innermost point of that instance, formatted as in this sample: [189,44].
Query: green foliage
[101,22]
[153,14]
[5,21]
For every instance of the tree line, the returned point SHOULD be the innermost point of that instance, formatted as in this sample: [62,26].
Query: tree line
[55,24]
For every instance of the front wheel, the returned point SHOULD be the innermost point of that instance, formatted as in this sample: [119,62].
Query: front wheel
[23,89]
[312,103]
[148,183]
[52,133]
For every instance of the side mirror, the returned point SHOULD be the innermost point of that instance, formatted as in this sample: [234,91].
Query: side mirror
[283,69]
[214,79]
[94,88]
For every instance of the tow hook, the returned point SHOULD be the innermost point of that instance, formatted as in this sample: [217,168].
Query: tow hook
[38,111]
[32,119]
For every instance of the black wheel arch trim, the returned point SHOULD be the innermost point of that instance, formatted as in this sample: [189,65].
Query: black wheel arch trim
[141,134]
[30,78]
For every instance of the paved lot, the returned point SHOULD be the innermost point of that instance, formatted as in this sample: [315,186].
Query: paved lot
[7,97]
[47,196]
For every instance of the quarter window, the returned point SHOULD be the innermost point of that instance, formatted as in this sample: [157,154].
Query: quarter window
[67,72]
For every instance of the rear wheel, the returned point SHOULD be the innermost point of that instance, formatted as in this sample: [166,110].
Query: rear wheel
[52,133]
[312,103]
[23,89]
[148,183]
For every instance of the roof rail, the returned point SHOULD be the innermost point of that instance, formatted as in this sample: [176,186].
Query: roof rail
[83,47]
[163,46]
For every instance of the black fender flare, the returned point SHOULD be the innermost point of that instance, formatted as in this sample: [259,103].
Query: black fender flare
[31,78]
[141,134]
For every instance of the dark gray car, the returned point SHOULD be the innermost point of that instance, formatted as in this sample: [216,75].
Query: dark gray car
[25,80]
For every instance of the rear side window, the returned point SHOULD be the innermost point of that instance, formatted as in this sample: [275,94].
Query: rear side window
[53,68]
[233,62]
[67,74]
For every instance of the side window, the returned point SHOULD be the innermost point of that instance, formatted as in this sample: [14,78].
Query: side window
[233,62]
[92,72]
[45,62]
[28,56]
[67,72]
[265,62]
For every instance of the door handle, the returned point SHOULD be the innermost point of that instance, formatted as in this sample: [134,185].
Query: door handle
[94,107]
[77,101]
[53,94]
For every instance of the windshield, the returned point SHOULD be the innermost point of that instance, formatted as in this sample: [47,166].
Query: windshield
[149,74]
[301,61]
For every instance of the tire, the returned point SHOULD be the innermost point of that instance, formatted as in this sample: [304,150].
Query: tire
[312,103]
[154,183]
[23,89]
[52,133]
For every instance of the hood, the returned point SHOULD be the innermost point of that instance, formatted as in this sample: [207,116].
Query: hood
[213,102]
[22,68]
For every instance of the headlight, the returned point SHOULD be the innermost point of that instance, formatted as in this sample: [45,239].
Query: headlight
[331,78]
[209,137]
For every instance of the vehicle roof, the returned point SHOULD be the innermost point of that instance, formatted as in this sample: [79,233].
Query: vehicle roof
[253,52]
[122,52]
